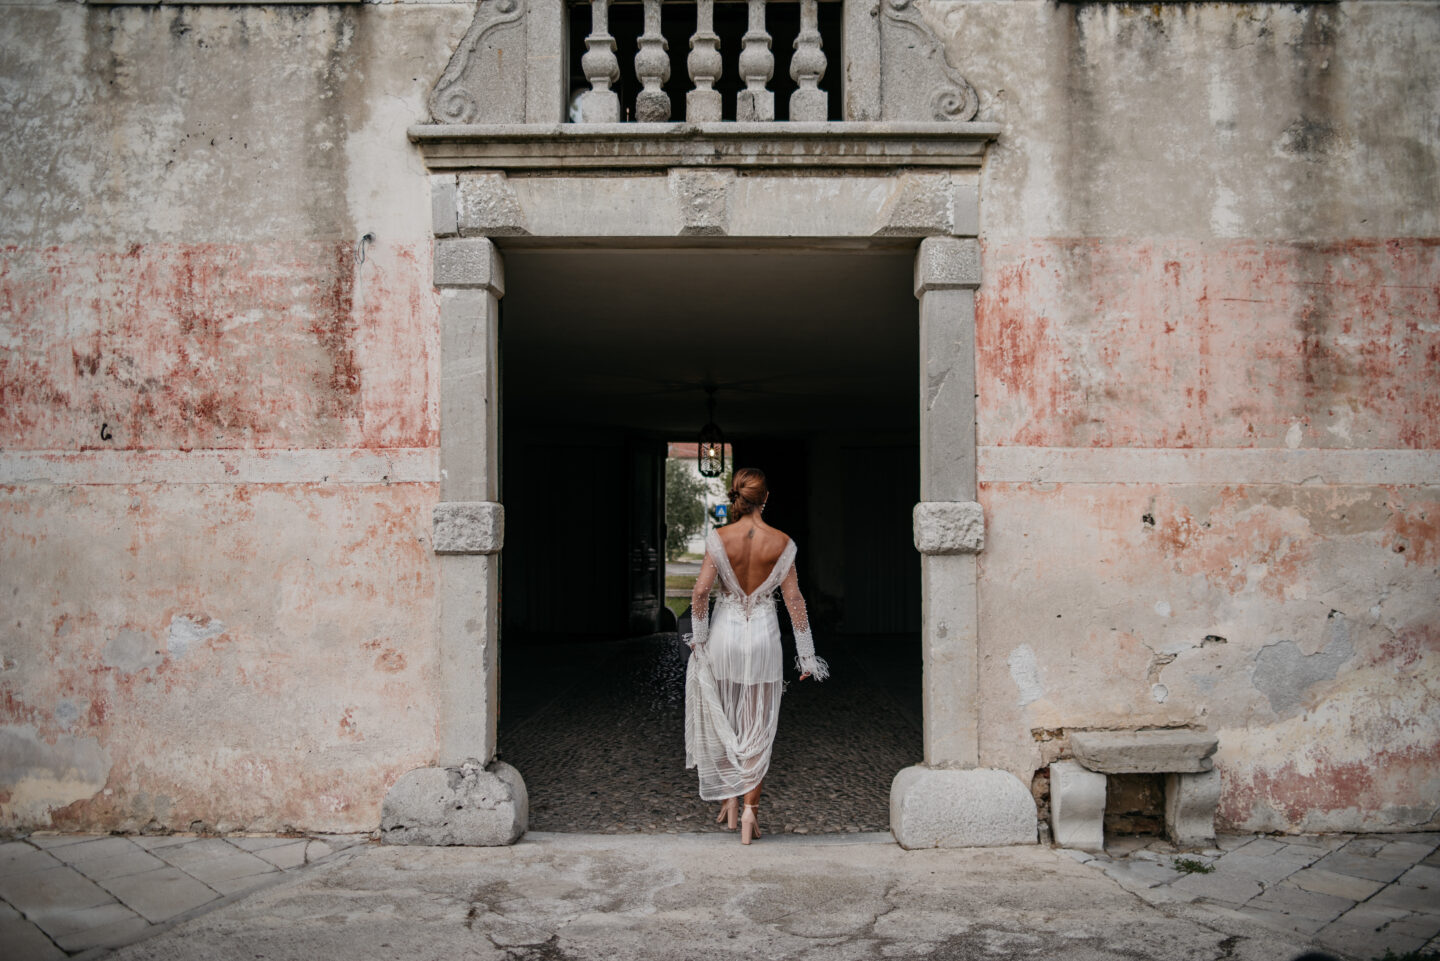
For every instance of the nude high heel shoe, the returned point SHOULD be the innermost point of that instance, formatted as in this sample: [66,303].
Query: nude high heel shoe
[729,813]
[749,825]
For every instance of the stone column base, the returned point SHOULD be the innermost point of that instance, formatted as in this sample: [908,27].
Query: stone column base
[472,805]
[939,808]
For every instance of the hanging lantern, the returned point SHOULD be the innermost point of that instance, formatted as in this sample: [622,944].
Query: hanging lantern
[712,443]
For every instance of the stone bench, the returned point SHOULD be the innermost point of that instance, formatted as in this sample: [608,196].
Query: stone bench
[1192,785]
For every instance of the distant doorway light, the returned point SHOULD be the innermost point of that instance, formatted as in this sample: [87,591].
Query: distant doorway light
[711,450]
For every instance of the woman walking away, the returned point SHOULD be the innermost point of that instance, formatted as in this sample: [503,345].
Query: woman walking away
[734,680]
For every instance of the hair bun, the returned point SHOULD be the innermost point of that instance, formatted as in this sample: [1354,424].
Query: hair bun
[747,491]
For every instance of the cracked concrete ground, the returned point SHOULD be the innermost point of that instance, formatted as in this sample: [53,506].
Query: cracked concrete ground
[557,896]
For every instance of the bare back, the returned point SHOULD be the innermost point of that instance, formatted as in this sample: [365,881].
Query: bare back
[753,550]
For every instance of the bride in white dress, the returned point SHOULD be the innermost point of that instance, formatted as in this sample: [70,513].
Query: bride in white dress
[734,680]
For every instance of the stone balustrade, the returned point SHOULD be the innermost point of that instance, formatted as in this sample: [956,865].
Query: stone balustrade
[755,102]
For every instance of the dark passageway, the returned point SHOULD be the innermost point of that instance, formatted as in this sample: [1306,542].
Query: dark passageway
[606,356]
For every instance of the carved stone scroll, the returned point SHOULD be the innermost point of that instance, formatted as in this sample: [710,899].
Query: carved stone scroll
[485,79]
[918,80]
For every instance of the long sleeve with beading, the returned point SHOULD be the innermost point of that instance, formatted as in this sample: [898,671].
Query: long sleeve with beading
[806,661]
[700,602]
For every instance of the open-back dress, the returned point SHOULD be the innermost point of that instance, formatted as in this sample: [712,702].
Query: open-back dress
[733,682]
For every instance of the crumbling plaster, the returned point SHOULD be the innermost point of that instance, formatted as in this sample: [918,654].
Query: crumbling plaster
[1204,227]
[246,656]
[1211,226]
[1282,619]
[220,350]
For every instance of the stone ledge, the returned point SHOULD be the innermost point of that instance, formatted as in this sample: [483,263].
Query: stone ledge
[468,527]
[766,145]
[949,527]
[1144,752]
[938,808]
[470,805]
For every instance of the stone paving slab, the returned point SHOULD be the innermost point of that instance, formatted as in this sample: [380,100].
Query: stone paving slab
[1355,895]
[83,893]
[93,849]
[19,859]
[704,896]
[1341,885]
[239,864]
[1344,861]
[51,889]
[23,941]
[134,860]
[161,894]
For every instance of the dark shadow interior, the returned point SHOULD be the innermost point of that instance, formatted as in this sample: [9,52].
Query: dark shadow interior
[605,356]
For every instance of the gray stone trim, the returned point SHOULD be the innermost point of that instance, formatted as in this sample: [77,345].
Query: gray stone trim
[1191,801]
[649,145]
[949,527]
[1077,806]
[979,807]
[468,527]
[468,803]
[947,263]
[213,3]
[1145,752]
[444,205]
[471,262]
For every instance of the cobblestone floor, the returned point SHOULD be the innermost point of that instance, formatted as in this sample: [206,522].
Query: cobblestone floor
[597,731]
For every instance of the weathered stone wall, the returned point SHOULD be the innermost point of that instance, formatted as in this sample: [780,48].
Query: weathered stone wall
[218,413]
[1207,344]
[1208,405]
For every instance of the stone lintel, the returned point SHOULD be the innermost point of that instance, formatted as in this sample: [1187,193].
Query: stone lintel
[469,804]
[469,262]
[468,527]
[978,807]
[1144,752]
[947,263]
[949,527]
[626,145]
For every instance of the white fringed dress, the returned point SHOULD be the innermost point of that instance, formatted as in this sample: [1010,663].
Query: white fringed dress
[733,682]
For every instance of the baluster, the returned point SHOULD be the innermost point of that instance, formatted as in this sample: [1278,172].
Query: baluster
[600,104]
[757,66]
[652,66]
[702,105]
[807,67]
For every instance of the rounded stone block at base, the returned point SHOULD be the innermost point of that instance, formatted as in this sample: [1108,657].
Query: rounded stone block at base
[939,808]
[472,805]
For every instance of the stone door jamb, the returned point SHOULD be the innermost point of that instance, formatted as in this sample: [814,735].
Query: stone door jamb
[947,801]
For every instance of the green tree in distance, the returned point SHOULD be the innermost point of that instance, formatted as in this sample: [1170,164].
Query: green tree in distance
[684,506]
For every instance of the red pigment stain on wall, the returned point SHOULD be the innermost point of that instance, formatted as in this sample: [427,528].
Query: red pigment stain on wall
[1090,343]
[1328,786]
[1414,532]
[213,345]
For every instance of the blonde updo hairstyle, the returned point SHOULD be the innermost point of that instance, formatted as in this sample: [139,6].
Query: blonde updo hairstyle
[747,492]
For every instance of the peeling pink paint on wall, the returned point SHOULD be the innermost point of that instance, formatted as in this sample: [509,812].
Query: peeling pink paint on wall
[1189,343]
[286,344]
[1279,617]
[246,656]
